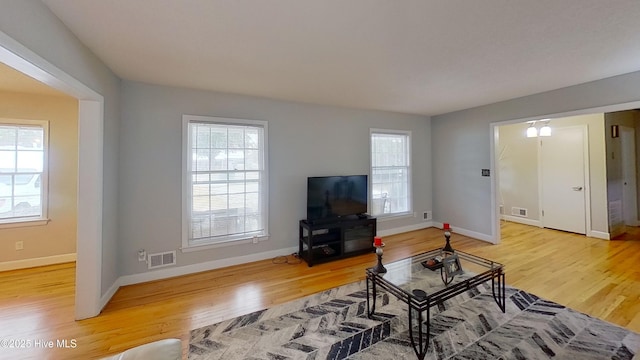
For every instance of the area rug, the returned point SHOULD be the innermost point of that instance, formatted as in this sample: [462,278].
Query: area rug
[333,325]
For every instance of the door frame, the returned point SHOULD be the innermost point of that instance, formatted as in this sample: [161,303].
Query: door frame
[88,286]
[624,169]
[586,177]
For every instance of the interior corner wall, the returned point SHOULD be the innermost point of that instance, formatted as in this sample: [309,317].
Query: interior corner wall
[461,144]
[304,140]
[58,237]
[35,27]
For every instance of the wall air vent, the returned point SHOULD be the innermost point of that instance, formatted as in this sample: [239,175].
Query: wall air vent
[161,259]
[521,212]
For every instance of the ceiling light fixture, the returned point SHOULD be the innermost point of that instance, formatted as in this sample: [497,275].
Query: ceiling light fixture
[532,131]
[545,130]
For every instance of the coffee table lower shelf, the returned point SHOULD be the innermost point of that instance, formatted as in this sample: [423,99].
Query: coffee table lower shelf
[419,305]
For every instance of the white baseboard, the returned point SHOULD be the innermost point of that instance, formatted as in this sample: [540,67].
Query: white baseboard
[474,234]
[537,223]
[522,220]
[205,266]
[109,294]
[469,233]
[216,264]
[41,261]
[599,235]
[188,269]
[403,229]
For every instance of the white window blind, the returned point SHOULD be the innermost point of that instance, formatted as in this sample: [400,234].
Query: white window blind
[23,170]
[390,172]
[225,181]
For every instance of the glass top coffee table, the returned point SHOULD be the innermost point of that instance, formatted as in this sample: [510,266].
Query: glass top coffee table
[422,287]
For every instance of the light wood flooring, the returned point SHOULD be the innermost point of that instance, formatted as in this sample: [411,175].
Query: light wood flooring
[631,233]
[598,277]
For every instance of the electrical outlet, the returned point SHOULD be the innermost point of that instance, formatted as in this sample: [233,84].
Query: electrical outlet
[255,239]
[427,215]
[19,245]
[142,255]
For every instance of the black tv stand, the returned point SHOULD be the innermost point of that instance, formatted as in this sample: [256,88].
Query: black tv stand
[322,241]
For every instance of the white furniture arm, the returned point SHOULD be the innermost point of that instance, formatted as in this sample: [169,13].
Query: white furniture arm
[168,349]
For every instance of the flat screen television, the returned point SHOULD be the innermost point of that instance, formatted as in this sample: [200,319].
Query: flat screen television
[334,197]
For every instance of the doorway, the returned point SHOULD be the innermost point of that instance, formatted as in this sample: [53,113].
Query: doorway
[88,302]
[520,176]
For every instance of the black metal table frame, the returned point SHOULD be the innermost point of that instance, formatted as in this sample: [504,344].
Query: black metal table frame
[495,273]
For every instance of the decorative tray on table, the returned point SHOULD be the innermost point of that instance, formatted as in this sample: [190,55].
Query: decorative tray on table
[433,263]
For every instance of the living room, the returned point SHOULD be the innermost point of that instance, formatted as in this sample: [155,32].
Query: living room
[140,156]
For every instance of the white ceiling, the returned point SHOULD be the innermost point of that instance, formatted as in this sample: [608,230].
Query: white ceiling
[414,56]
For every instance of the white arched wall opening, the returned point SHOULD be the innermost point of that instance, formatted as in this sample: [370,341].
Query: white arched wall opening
[90,148]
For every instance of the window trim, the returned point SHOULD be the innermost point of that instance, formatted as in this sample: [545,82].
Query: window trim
[189,246]
[400,214]
[43,219]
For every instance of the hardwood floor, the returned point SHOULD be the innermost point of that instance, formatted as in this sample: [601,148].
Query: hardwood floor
[631,233]
[600,278]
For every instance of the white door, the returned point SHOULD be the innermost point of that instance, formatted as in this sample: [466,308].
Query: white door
[563,179]
[629,195]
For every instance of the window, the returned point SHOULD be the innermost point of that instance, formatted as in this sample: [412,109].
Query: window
[390,172]
[225,181]
[23,170]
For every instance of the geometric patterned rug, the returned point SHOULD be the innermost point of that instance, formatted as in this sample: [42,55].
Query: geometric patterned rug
[333,325]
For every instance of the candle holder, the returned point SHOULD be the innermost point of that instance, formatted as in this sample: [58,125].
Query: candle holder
[379,268]
[447,249]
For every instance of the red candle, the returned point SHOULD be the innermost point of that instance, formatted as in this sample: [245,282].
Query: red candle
[445,226]
[377,241]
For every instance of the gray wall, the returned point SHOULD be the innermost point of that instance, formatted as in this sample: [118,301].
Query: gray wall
[33,25]
[304,140]
[461,144]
